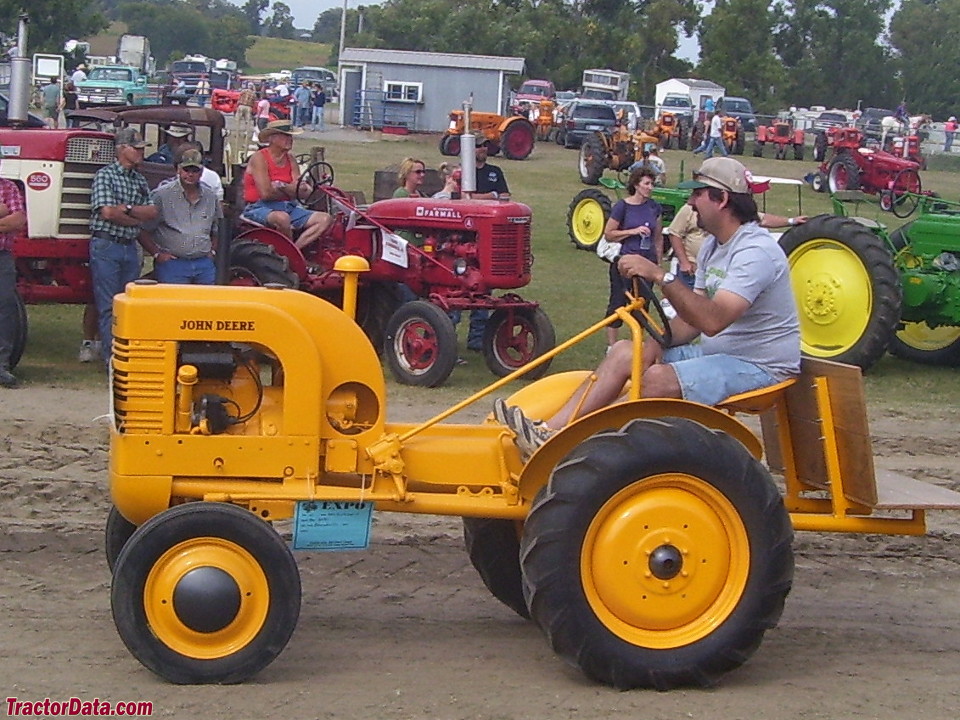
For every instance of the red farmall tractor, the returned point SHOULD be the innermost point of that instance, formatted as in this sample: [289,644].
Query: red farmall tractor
[848,165]
[513,135]
[782,135]
[450,255]
[669,127]
[226,102]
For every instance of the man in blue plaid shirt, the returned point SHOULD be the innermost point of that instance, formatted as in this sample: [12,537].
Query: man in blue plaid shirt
[119,204]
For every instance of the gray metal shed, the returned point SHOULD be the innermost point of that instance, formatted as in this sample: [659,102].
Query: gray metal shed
[415,91]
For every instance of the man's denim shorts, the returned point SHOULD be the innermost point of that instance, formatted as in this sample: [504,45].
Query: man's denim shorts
[709,379]
[258,212]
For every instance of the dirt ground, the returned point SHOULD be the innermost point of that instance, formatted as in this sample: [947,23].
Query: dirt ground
[407,630]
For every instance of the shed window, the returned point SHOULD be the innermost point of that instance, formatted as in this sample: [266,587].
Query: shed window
[410,92]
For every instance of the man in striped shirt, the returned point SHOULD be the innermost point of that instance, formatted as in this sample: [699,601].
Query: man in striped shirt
[119,204]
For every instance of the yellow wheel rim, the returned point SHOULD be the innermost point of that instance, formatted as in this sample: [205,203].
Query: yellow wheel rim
[665,561]
[922,337]
[834,297]
[208,552]
[588,222]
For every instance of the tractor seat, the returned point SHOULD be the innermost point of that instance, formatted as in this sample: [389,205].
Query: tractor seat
[755,401]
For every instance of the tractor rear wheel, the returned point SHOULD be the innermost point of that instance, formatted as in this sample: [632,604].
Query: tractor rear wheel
[593,161]
[420,344]
[587,215]
[846,288]
[781,153]
[920,343]
[517,140]
[843,174]
[798,151]
[666,140]
[819,182]
[682,138]
[820,147]
[205,593]
[116,534]
[494,549]
[255,263]
[450,145]
[657,555]
[758,149]
[19,331]
[509,344]
[376,304]
[740,143]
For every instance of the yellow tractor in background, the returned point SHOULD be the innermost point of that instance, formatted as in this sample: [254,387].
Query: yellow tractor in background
[617,150]
[669,126]
[646,539]
[513,135]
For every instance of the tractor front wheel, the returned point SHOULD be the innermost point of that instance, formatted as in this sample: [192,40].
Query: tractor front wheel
[514,338]
[450,145]
[593,161]
[758,149]
[657,555]
[494,549]
[517,140]
[420,344]
[846,288]
[798,151]
[586,217]
[205,593]
[116,534]
[820,147]
[920,343]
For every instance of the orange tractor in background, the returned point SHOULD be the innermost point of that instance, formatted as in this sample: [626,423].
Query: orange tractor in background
[514,135]
[668,127]
[782,134]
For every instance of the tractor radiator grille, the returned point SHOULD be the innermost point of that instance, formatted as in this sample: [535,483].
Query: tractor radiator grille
[511,250]
[93,150]
[141,371]
[75,199]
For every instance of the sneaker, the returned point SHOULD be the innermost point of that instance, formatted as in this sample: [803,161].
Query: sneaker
[501,412]
[461,361]
[89,351]
[531,434]
[8,379]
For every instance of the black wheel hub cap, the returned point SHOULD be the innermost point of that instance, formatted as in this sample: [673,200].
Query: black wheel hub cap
[666,562]
[206,599]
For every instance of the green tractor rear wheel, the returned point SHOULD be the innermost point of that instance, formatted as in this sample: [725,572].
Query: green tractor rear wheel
[846,287]
[586,217]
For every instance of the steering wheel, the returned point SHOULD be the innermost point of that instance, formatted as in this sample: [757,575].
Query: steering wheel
[905,191]
[310,182]
[660,332]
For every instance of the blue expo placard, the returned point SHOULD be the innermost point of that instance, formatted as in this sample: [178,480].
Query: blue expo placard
[332,525]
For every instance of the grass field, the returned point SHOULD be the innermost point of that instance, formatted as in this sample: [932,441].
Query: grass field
[570,284]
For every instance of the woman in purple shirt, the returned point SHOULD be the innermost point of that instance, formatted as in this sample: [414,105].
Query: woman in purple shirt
[636,223]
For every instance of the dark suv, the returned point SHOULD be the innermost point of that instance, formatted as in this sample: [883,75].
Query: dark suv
[741,109]
[869,121]
[583,119]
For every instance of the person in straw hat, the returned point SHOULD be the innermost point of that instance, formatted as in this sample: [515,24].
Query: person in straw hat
[270,187]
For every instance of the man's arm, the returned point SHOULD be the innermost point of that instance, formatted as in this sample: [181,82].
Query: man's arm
[769,220]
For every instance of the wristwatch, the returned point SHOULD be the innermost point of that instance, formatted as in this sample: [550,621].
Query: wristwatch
[127,209]
[668,277]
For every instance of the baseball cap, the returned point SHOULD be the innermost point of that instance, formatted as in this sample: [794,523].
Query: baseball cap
[129,136]
[723,173]
[191,158]
[178,130]
[480,140]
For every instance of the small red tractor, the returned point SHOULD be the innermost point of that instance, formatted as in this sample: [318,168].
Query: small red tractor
[451,255]
[782,135]
[226,102]
[668,127]
[513,135]
[851,166]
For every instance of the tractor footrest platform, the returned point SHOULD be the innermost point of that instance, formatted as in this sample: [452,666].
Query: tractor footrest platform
[899,492]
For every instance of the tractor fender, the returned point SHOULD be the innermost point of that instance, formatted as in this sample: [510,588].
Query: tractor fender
[507,122]
[537,471]
[279,242]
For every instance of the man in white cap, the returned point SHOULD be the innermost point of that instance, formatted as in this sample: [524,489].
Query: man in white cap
[741,308]
[176,136]
[949,130]
[270,187]
[80,74]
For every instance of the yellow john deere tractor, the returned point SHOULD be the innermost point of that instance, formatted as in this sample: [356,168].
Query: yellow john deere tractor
[646,539]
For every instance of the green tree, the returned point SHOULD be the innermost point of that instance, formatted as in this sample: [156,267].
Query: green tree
[736,51]
[253,11]
[280,24]
[927,60]
[832,53]
[52,22]
[326,29]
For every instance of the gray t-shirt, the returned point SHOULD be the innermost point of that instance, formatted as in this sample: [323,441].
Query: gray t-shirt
[752,265]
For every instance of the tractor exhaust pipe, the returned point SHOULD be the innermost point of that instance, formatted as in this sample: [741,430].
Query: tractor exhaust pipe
[468,158]
[20,71]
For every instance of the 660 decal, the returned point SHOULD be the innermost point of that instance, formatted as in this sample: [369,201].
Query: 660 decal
[38,181]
